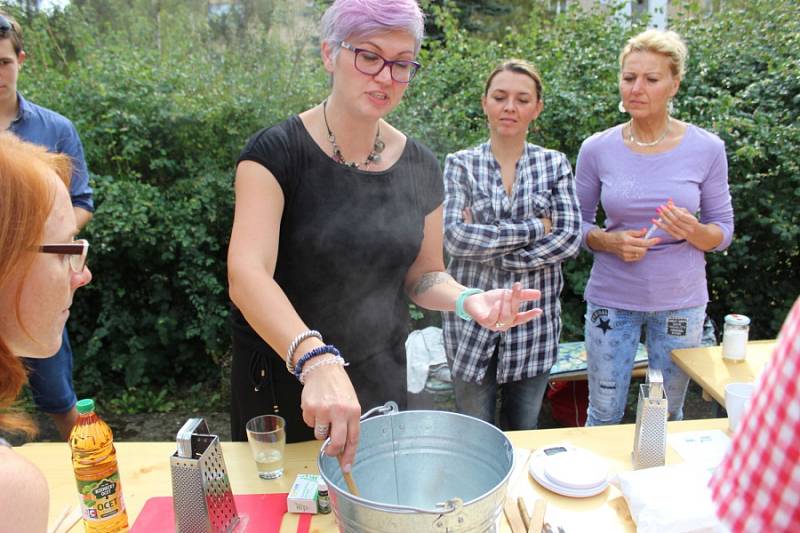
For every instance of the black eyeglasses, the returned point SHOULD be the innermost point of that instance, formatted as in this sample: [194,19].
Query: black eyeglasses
[76,251]
[5,26]
[371,64]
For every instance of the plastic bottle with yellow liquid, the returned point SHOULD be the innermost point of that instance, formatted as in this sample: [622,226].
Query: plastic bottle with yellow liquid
[94,460]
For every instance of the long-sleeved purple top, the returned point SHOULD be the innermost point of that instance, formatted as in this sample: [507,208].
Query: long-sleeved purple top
[630,186]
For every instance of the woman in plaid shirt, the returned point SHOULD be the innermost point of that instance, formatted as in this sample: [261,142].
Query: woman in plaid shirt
[511,216]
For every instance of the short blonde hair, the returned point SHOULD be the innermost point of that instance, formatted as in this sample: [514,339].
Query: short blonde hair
[667,43]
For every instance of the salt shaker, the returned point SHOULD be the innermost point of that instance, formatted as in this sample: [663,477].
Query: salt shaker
[734,338]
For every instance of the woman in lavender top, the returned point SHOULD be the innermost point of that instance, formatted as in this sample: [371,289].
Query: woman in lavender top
[663,186]
[511,216]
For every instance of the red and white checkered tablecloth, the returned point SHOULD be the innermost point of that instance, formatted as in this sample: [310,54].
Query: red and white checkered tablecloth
[757,485]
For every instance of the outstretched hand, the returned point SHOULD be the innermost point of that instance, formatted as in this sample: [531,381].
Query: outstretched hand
[498,309]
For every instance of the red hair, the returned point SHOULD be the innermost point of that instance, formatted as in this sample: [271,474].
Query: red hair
[27,196]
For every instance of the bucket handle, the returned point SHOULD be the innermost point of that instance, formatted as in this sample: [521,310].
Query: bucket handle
[444,509]
[387,408]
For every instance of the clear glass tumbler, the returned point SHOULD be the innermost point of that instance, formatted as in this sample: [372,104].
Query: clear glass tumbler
[267,437]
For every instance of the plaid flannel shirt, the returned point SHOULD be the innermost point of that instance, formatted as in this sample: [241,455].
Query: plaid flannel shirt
[757,485]
[506,243]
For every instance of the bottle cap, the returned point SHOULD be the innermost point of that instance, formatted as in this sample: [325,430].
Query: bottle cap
[85,406]
[737,320]
[321,485]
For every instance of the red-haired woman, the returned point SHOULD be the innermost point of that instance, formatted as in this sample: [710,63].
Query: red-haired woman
[41,265]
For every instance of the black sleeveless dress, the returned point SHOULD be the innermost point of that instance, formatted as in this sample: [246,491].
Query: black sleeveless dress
[347,239]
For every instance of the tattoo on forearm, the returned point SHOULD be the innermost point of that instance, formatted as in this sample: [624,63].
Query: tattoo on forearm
[428,280]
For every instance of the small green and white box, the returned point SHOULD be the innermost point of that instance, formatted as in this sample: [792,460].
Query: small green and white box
[303,495]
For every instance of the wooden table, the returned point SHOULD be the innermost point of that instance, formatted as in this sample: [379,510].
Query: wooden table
[707,367]
[145,472]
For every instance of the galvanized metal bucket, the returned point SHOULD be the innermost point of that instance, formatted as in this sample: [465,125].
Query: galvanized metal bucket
[422,471]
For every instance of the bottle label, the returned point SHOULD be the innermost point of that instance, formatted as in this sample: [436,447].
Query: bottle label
[101,500]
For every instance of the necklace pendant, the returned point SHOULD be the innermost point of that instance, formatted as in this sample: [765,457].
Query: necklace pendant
[373,157]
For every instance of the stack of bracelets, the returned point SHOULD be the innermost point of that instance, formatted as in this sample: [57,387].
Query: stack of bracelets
[299,370]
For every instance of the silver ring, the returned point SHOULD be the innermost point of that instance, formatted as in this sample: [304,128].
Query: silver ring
[322,430]
[499,325]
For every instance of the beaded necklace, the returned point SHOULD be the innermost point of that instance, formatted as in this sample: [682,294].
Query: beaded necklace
[373,157]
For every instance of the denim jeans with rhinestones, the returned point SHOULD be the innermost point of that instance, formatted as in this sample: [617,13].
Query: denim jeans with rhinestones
[612,337]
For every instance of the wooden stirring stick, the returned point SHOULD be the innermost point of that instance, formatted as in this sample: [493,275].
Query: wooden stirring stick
[535,521]
[514,516]
[523,512]
[348,478]
[537,517]
[518,479]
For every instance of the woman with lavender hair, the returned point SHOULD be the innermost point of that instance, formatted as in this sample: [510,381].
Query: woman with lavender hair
[338,216]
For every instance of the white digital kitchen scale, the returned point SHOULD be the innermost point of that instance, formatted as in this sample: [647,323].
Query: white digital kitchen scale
[569,470]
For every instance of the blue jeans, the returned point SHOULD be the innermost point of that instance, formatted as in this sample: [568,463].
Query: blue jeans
[521,400]
[612,337]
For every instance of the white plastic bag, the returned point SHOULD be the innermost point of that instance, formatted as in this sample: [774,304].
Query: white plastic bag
[669,499]
[424,348]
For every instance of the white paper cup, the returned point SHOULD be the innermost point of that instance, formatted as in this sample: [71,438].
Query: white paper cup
[737,397]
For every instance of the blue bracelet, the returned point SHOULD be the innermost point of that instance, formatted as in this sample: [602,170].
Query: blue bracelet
[460,302]
[328,348]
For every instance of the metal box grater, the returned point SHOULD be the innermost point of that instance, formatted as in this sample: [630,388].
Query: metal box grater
[201,491]
[650,441]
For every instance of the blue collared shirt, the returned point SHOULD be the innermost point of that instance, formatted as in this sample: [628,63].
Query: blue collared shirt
[55,132]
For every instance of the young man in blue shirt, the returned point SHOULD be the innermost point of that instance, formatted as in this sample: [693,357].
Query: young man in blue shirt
[50,379]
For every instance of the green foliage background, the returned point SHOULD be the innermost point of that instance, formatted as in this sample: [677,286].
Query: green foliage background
[164,99]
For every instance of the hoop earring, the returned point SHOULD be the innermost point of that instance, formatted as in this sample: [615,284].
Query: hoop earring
[670,107]
[621,107]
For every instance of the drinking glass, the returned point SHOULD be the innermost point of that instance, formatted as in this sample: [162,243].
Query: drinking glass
[267,437]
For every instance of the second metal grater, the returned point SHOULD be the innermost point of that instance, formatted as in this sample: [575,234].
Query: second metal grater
[201,491]
[650,441]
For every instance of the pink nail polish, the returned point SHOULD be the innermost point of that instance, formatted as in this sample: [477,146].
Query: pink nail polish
[346,469]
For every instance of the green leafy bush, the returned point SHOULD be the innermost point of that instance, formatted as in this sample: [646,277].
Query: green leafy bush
[742,83]
[164,101]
